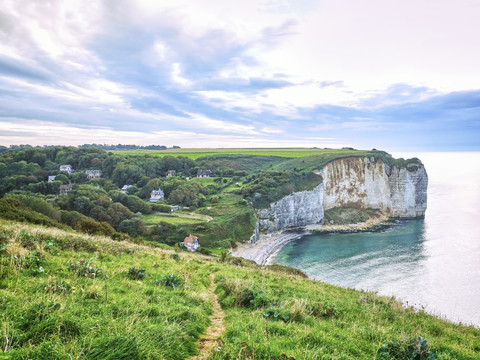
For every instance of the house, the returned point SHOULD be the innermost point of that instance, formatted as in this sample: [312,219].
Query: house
[191,243]
[175,208]
[125,188]
[93,174]
[156,195]
[66,168]
[171,173]
[65,189]
[204,173]
[51,178]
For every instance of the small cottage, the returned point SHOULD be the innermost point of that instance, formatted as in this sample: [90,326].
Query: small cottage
[204,173]
[156,195]
[51,178]
[125,188]
[191,243]
[66,168]
[171,173]
[93,174]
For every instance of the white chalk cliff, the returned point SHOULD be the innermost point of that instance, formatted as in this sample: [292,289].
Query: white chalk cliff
[353,182]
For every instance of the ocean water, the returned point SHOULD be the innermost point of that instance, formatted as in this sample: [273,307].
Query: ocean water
[432,263]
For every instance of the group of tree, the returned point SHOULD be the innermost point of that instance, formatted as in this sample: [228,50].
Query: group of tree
[95,205]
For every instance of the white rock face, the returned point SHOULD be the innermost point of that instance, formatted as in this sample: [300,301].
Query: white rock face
[355,182]
[298,209]
[408,188]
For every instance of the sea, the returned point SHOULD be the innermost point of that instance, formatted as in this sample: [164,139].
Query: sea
[432,263]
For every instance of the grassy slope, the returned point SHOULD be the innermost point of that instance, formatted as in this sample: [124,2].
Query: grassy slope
[196,153]
[316,161]
[153,219]
[242,162]
[136,319]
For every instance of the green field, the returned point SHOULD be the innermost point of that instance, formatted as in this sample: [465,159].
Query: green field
[154,219]
[65,295]
[196,153]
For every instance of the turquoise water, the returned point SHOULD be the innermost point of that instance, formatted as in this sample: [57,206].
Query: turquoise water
[432,263]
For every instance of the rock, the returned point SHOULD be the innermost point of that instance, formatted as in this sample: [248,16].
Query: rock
[356,182]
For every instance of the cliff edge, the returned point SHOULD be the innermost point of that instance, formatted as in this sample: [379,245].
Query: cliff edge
[397,189]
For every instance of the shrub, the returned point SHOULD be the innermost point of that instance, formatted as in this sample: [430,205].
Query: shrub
[162,208]
[277,314]
[83,268]
[175,257]
[33,265]
[323,309]
[136,274]
[247,296]
[172,281]
[411,349]
[203,251]
[93,293]
[62,287]
[27,240]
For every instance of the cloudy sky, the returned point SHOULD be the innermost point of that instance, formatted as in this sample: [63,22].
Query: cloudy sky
[396,75]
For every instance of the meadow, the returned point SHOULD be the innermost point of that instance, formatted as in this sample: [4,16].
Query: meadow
[65,295]
[197,153]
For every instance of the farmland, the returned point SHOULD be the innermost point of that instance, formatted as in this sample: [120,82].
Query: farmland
[197,153]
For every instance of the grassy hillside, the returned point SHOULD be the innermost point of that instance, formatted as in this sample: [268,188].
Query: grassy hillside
[64,295]
[316,161]
[197,153]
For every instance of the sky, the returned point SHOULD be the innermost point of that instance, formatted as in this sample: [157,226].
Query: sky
[386,74]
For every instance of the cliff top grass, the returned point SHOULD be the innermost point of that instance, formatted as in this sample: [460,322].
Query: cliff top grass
[274,152]
[65,295]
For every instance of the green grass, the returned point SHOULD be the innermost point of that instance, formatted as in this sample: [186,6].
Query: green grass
[196,153]
[204,181]
[55,314]
[342,216]
[233,221]
[364,321]
[154,219]
[316,161]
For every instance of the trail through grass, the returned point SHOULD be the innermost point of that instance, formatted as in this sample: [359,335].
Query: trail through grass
[212,336]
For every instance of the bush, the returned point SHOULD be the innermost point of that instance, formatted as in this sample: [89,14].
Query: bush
[61,287]
[91,226]
[136,274]
[247,296]
[33,265]
[175,257]
[323,309]
[83,268]
[277,314]
[161,208]
[411,349]
[172,281]
[203,251]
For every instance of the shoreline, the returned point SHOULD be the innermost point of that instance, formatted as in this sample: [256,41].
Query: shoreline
[265,250]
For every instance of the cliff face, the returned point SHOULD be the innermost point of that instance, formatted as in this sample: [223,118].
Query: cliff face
[408,191]
[357,183]
[354,182]
[298,209]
